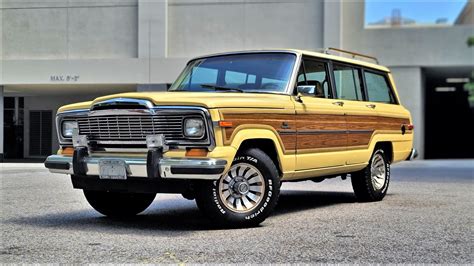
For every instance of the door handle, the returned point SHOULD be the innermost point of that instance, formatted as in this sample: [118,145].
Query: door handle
[371,106]
[338,103]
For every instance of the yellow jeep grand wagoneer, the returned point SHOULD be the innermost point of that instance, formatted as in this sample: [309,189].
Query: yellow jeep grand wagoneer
[234,126]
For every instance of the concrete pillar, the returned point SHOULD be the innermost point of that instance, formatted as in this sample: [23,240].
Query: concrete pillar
[332,31]
[1,123]
[411,90]
[152,28]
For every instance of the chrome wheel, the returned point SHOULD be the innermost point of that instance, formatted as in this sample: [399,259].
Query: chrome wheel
[378,172]
[242,188]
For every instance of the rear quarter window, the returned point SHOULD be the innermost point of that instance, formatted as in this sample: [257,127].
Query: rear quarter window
[378,89]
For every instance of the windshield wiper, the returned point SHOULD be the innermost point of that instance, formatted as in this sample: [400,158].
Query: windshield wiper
[220,88]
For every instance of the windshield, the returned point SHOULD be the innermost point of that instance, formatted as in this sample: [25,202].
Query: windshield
[253,72]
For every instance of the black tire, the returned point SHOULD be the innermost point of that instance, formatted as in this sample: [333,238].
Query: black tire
[116,204]
[365,189]
[209,196]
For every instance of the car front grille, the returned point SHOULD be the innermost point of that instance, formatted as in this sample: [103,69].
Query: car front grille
[131,127]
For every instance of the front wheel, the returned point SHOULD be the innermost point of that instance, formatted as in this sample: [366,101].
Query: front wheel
[371,183]
[244,196]
[116,204]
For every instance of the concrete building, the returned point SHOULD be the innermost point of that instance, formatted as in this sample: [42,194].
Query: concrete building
[61,51]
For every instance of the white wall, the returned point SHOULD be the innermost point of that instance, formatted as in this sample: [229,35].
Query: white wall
[409,82]
[200,27]
[69,29]
[406,46]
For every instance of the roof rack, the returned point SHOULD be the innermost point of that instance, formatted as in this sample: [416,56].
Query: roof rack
[353,54]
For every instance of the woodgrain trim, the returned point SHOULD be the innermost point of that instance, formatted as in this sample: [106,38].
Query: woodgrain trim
[309,133]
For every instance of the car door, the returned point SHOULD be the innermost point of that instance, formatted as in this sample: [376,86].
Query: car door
[320,121]
[394,120]
[360,115]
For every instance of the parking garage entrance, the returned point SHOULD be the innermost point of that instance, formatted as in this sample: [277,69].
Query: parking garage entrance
[449,113]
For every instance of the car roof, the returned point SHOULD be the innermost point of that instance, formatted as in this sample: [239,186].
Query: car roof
[307,53]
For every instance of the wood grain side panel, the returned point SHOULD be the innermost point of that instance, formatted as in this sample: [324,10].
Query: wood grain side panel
[257,120]
[316,131]
[372,124]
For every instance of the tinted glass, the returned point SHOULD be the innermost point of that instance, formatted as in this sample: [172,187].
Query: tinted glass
[347,83]
[315,75]
[259,72]
[377,88]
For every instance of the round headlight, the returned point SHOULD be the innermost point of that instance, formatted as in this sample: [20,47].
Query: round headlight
[68,127]
[194,127]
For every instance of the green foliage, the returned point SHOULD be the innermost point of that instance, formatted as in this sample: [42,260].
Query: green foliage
[469,87]
[470,41]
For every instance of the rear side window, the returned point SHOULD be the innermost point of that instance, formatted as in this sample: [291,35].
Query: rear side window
[347,83]
[378,89]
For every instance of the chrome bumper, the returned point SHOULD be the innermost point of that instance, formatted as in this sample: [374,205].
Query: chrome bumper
[178,168]
[413,154]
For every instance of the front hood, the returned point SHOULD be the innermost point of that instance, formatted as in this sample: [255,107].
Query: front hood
[201,99]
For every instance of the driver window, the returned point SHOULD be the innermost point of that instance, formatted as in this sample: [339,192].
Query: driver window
[316,79]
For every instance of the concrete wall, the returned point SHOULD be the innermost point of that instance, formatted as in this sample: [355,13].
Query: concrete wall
[69,29]
[406,46]
[200,27]
[409,82]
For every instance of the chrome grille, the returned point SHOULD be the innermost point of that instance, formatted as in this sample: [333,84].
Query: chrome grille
[131,127]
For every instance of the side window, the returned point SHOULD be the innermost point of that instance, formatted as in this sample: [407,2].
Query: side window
[378,89]
[347,83]
[316,78]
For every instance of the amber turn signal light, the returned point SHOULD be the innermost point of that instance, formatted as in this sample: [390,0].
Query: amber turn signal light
[196,152]
[225,123]
[68,151]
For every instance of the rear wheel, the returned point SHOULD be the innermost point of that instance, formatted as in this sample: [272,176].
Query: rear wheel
[371,183]
[116,204]
[244,196]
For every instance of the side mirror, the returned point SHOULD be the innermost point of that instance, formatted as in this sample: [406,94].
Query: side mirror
[306,89]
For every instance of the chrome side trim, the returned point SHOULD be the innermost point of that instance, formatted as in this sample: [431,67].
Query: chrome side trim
[319,132]
[361,131]
[137,167]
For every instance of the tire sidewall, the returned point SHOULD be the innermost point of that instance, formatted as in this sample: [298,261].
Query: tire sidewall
[269,198]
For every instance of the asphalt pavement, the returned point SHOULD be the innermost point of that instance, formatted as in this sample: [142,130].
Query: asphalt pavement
[427,217]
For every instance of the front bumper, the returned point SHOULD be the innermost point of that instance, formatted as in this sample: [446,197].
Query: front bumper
[413,155]
[172,168]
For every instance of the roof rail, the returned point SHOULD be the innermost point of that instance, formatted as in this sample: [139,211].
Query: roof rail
[353,54]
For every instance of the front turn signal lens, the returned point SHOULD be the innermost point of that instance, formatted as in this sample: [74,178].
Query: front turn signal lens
[196,152]
[224,123]
[68,151]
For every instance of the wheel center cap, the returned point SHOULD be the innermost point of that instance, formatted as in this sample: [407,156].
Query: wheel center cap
[243,188]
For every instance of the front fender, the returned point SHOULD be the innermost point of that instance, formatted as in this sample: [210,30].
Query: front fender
[286,158]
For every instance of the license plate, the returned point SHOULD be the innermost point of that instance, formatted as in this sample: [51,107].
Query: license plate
[112,169]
